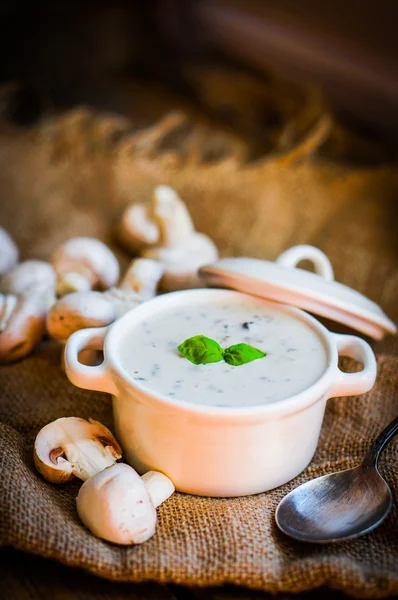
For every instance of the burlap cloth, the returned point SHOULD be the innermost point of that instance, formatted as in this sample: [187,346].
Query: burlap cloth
[72,176]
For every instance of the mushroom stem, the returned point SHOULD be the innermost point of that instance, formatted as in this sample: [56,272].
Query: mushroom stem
[171,215]
[88,457]
[73,282]
[142,277]
[159,486]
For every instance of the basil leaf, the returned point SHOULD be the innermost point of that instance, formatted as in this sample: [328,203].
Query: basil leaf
[240,354]
[200,350]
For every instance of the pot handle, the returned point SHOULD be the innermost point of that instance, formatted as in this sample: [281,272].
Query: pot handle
[97,378]
[292,256]
[352,384]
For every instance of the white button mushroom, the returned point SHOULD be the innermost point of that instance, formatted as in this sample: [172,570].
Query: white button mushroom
[84,263]
[115,505]
[8,252]
[163,230]
[73,447]
[140,228]
[138,284]
[27,292]
[114,502]
[78,311]
[120,506]
[28,277]
[99,309]
[172,217]
[22,325]
[181,250]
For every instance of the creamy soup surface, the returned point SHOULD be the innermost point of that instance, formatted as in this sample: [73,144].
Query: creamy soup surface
[296,356]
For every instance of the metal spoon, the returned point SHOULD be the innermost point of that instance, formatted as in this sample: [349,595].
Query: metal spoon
[341,505]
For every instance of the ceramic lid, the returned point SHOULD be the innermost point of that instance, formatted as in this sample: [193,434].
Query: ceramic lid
[316,292]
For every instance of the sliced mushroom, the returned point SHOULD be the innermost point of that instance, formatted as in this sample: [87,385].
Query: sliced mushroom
[73,447]
[84,263]
[8,252]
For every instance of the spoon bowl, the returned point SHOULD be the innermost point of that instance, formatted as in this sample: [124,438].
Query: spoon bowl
[335,507]
[339,506]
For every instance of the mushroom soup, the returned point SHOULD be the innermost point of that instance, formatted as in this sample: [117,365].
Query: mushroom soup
[295,355]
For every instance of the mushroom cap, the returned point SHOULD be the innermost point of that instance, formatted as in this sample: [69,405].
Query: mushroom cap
[8,252]
[181,263]
[28,276]
[79,311]
[89,257]
[73,447]
[24,329]
[115,505]
[137,229]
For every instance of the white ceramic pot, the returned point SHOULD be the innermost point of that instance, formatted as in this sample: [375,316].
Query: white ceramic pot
[209,450]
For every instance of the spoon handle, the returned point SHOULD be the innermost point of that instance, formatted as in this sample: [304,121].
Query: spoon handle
[372,457]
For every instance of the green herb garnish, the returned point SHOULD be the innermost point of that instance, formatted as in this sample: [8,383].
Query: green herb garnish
[241,354]
[201,350]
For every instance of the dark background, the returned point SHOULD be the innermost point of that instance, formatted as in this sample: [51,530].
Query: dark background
[59,54]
